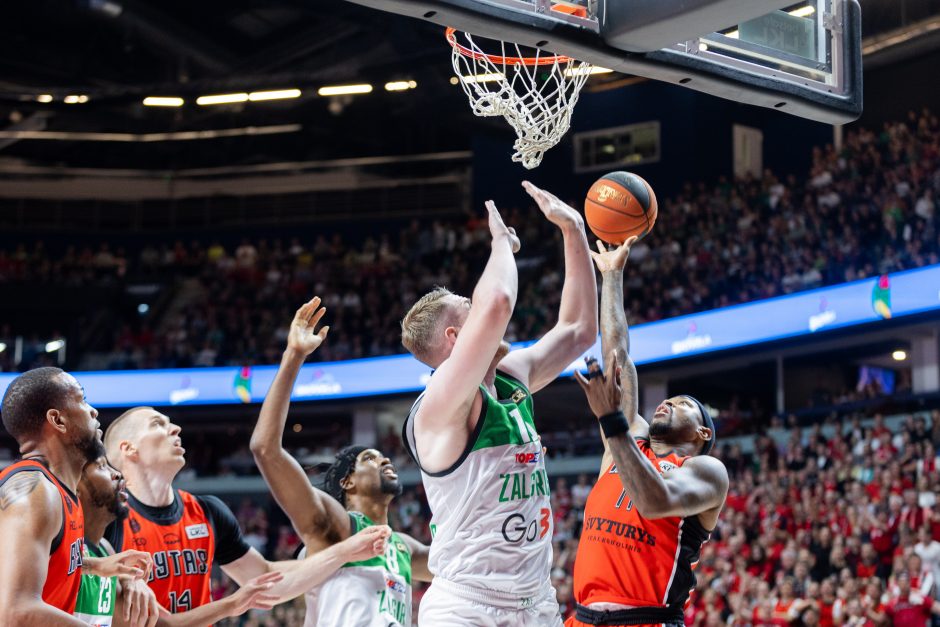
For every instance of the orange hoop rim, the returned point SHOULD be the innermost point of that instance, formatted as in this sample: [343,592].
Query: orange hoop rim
[451,34]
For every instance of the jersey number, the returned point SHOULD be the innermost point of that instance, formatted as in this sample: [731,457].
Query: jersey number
[623,495]
[181,603]
[525,431]
[391,558]
[104,598]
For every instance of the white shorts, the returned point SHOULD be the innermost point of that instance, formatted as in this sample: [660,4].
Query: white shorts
[447,604]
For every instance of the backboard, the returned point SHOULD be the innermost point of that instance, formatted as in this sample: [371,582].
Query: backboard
[803,58]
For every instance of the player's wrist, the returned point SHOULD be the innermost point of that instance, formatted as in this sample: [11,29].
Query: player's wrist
[614,424]
[292,355]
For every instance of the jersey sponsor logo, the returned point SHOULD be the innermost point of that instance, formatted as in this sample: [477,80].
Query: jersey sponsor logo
[170,539]
[517,529]
[528,458]
[519,486]
[518,396]
[75,555]
[619,529]
[197,531]
[177,563]
[665,466]
[135,525]
[395,586]
[140,542]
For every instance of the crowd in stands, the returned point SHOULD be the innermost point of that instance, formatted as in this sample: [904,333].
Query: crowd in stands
[865,209]
[838,525]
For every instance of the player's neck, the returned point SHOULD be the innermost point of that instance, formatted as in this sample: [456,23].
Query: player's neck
[665,447]
[96,521]
[375,509]
[153,488]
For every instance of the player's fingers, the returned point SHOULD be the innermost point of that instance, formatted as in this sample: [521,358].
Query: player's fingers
[129,571]
[315,318]
[581,380]
[314,304]
[323,332]
[136,613]
[154,611]
[601,247]
[270,578]
[630,242]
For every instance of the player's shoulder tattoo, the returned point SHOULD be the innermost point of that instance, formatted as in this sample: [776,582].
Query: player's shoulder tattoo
[18,487]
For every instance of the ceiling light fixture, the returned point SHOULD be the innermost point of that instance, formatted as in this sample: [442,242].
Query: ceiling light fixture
[221,99]
[44,98]
[344,90]
[899,355]
[400,85]
[76,99]
[279,94]
[163,101]
[803,11]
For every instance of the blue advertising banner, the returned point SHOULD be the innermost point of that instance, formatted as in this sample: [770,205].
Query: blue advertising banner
[806,313]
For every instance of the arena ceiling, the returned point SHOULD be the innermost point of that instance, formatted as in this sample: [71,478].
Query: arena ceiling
[117,52]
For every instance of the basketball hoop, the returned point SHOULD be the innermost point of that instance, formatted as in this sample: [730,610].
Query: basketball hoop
[535,93]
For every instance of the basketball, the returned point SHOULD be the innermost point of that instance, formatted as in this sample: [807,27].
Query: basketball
[620,205]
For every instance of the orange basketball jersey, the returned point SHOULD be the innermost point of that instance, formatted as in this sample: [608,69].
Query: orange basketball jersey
[629,560]
[182,552]
[64,573]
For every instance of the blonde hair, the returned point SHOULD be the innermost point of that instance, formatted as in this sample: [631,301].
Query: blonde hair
[120,430]
[422,322]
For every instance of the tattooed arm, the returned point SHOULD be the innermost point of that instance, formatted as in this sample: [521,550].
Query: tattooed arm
[30,519]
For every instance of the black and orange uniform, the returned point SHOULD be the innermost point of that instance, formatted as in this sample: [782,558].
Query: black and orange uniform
[64,573]
[184,539]
[627,561]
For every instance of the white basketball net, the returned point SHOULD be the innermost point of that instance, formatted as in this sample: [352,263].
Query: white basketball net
[537,100]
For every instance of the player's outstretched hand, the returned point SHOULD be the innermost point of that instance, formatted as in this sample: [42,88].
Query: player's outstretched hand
[254,595]
[303,338]
[612,259]
[141,608]
[559,213]
[604,393]
[368,543]
[499,229]
[134,564]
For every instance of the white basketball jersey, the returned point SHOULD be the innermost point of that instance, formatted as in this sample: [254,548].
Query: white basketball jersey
[491,512]
[372,593]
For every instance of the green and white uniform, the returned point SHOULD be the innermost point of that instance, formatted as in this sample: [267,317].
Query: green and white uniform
[492,517]
[95,603]
[372,593]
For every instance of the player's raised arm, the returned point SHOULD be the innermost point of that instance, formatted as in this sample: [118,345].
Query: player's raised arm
[30,518]
[698,486]
[313,513]
[576,329]
[454,384]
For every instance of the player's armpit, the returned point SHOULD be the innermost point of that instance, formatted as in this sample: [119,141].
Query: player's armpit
[30,518]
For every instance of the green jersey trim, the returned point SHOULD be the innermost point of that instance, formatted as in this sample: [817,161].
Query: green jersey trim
[509,416]
[397,557]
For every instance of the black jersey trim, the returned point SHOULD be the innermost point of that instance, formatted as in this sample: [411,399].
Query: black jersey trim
[471,441]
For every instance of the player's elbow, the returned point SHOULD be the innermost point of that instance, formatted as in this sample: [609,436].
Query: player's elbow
[19,613]
[584,334]
[498,303]
[262,449]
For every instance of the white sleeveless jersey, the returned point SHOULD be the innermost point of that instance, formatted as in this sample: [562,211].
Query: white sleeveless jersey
[373,593]
[491,512]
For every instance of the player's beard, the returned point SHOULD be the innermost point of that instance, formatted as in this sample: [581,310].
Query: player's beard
[660,429]
[390,486]
[90,446]
[110,500]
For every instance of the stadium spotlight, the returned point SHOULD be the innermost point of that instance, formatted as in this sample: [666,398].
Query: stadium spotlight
[344,90]
[3,346]
[76,99]
[54,345]
[899,355]
[163,101]
[44,98]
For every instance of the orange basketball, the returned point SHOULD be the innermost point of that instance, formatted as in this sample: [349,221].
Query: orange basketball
[620,205]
